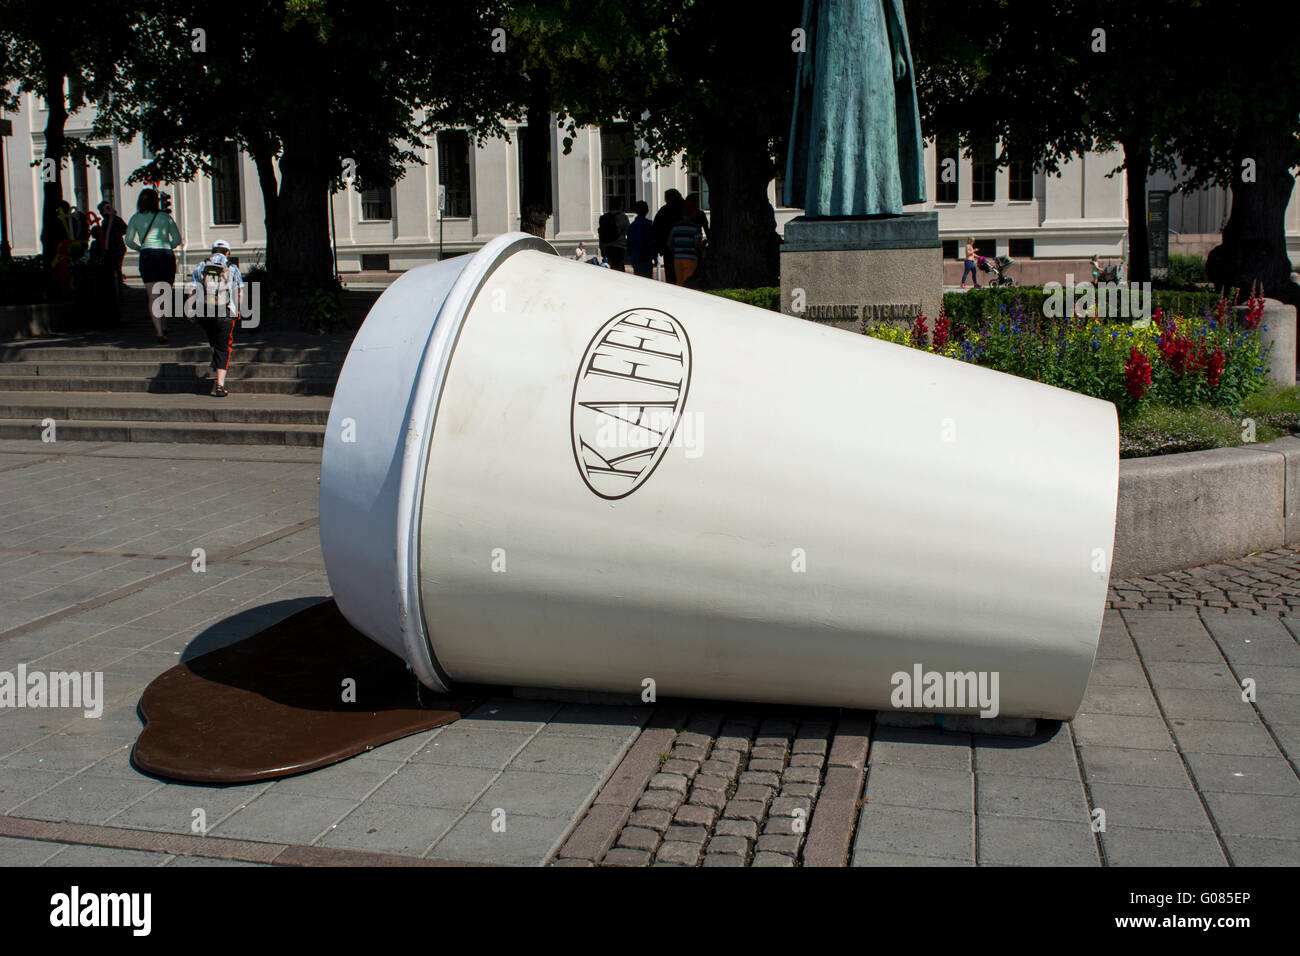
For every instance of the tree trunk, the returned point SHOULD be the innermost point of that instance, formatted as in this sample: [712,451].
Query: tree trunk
[52,230]
[535,191]
[264,163]
[302,280]
[1137,165]
[1254,238]
[742,226]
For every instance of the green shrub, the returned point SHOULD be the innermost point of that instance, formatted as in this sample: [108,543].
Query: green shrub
[765,297]
[1185,271]
[968,307]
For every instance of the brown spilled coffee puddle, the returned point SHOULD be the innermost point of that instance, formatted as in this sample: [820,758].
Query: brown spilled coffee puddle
[272,705]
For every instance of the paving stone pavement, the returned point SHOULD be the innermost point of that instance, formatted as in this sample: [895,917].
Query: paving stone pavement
[98,573]
[1167,763]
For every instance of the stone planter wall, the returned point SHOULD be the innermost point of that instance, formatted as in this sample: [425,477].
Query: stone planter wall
[1178,511]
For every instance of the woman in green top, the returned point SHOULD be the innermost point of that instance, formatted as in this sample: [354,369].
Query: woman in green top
[153,234]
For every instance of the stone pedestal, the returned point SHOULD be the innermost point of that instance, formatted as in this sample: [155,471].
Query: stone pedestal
[851,273]
[1278,327]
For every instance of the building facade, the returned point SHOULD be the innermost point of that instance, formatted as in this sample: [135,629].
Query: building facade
[1050,224]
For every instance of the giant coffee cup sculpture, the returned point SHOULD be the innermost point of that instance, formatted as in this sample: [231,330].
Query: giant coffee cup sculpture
[539,473]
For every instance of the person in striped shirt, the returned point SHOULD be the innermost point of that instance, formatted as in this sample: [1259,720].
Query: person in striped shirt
[686,239]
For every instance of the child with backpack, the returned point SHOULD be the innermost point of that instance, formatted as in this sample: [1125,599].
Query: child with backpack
[219,284]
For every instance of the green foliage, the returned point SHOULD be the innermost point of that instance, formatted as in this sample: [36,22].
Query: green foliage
[1194,360]
[765,297]
[968,307]
[1275,406]
[24,280]
[1185,271]
[1162,430]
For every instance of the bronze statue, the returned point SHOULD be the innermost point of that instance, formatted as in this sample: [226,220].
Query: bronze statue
[855,139]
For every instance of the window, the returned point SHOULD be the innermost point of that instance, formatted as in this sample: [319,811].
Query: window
[696,185]
[374,262]
[107,183]
[80,187]
[1020,182]
[1020,248]
[618,167]
[377,203]
[947,162]
[225,187]
[983,175]
[950,250]
[453,172]
[988,248]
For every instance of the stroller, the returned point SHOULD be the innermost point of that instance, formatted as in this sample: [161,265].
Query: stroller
[998,267]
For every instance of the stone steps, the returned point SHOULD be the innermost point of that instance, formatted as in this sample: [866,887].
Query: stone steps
[31,407]
[118,386]
[225,433]
[165,385]
[21,354]
[25,370]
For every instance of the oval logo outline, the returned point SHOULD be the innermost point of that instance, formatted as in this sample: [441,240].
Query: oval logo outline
[635,371]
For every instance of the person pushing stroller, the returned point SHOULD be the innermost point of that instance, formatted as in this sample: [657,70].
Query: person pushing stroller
[220,284]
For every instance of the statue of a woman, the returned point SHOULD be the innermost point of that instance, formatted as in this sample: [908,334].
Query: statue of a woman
[855,140]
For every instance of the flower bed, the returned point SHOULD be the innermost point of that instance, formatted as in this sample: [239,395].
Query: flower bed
[1180,381]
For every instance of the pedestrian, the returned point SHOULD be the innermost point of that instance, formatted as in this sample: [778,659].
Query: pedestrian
[669,214]
[687,243]
[112,244]
[972,254]
[640,241]
[219,283]
[153,233]
[611,231]
[701,219]
[580,253]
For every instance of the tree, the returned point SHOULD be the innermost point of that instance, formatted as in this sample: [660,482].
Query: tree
[723,94]
[1240,128]
[577,64]
[1052,80]
[42,46]
[317,92]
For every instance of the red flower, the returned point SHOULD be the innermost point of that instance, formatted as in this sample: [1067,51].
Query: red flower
[1176,352]
[1254,311]
[1214,367]
[919,330]
[942,329]
[1137,374]
[1219,309]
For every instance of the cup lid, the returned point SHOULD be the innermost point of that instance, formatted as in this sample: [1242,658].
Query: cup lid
[377,447]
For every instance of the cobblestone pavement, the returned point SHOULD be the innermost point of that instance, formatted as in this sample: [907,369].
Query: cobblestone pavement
[1167,763]
[1263,583]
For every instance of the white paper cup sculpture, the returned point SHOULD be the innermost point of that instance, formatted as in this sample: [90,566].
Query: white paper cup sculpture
[538,472]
